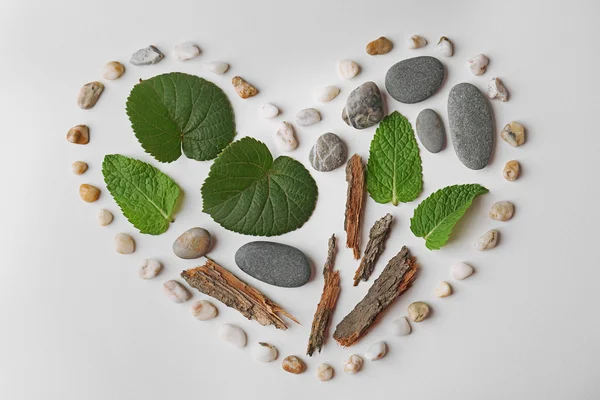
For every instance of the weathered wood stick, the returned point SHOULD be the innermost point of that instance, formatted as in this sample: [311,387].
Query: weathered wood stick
[375,246]
[215,281]
[331,291]
[355,176]
[397,276]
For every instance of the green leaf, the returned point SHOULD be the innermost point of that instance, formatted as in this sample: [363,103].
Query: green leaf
[435,217]
[173,111]
[394,167]
[146,196]
[249,193]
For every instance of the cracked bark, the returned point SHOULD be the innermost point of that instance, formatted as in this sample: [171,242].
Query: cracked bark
[375,246]
[355,176]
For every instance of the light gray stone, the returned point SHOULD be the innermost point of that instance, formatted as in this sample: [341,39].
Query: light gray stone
[308,116]
[415,79]
[146,56]
[364,107]
[193,243]
[328,153]
[430,131]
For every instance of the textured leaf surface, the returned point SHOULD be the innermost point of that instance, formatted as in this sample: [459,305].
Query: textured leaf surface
[249,193]
[146,196]
[394,167]
[176,111]
[435,217]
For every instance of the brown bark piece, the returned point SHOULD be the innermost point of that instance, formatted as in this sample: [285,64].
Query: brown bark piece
[215,281]
[397,276]
[331,291]
[355,176]
[375,246]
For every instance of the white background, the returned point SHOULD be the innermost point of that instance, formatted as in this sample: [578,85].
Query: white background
[76,322]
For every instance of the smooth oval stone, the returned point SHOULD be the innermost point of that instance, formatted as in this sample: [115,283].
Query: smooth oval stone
[364,107]
[471,125]
[328,153]
[192,243]
[430,131]
[274,263]
[415,79]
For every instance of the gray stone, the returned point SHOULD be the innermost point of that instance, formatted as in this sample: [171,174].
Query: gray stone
[193,243]
[146,56]
[415,79]
[430,131]
[364,107]
[471,125]
[328,153]
[308,116]
[274,263]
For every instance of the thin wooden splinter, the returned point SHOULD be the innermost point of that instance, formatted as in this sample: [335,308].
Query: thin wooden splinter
[331,291]
[355,176]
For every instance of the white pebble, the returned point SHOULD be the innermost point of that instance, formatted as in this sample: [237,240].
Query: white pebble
[502,211]
[269,110]
[124,244]
[324,372]
[443,289]
[376,351]
[186,51]
[461,271]
[478,64]
[488,240]
[496,90]
[264,352]
[347,69]
[327,94]
[217,67]
[445,47]
[285,138]
[149,268]
[233,334]
[104,217]
[112,70]
[176,292]
[353,364]
[400,327]
[203,310]
[416,42]
[308,116]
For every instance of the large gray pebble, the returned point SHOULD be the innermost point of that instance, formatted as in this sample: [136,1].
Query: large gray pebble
[146,56]
[471,125]
[415,79]
[193,243]
[364,107]
[328,153]
[430,130]
[274,263]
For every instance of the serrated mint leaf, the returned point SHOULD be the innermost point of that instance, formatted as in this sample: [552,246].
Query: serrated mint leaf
[435,217]
[394,170]
[146,196]
[250,193]
[176,111]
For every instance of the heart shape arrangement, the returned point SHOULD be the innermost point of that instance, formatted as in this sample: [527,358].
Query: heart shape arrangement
[249,192]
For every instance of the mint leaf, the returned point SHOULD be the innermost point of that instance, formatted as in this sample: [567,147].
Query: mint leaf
[435,217]
[174,111]
[249,193]
[394,170]
[146,196]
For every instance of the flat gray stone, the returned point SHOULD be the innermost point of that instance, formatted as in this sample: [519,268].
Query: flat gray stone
[430,131]
[471,125]
[274,263]
[146,56]
[328,153]
[364,107]
[415,79]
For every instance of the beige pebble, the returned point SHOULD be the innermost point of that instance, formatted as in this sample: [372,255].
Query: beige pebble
[176,292]
[104,217]
[488,240]
[79,167]
[88,193]
[502,211]
[293,365]
[324,372]
[149,268]
[89,94]
[112,70]
[381,45]
[513,134]
[511,171]
[243,88]
[443,289]
[418,311]
[79,134]
[204,310]
[285,137]
[347,69]
[326,94]
[353,364]
[124,244]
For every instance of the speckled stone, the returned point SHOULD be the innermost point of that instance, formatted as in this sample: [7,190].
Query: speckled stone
[430,131]
[274,263]
[415,79]
[471,125]
[364,107]
[328,153]
[146,56]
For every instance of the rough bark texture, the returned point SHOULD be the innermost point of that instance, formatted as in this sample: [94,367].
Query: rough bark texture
[331,291]
[215,281]
[377,236]
[355,176]
[397,276]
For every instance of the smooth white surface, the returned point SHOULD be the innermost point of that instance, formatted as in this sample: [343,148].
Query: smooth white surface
[78,323]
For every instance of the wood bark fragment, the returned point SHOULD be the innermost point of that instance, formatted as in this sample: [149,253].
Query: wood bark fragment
[331,291]
[215,281]
[397,276]
[375,246]
[355,176]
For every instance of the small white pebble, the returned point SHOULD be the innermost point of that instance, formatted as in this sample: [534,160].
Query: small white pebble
[104,217]
[324,372]
[488,240]
[347,69]
[400,327]
[149,268]
[376,351]
[445,47]
[285,138]
[308,116]
[79,167]
[233,334]
[326,94]
[502,211]
[264,352]
[203,310]
[478,64]
[217,67]
[416,42]
[443,289]
[353,364]
[112,70]
[124,244]
[496,90]
[186,51]
[269,110]
[176,292]
[461,271]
